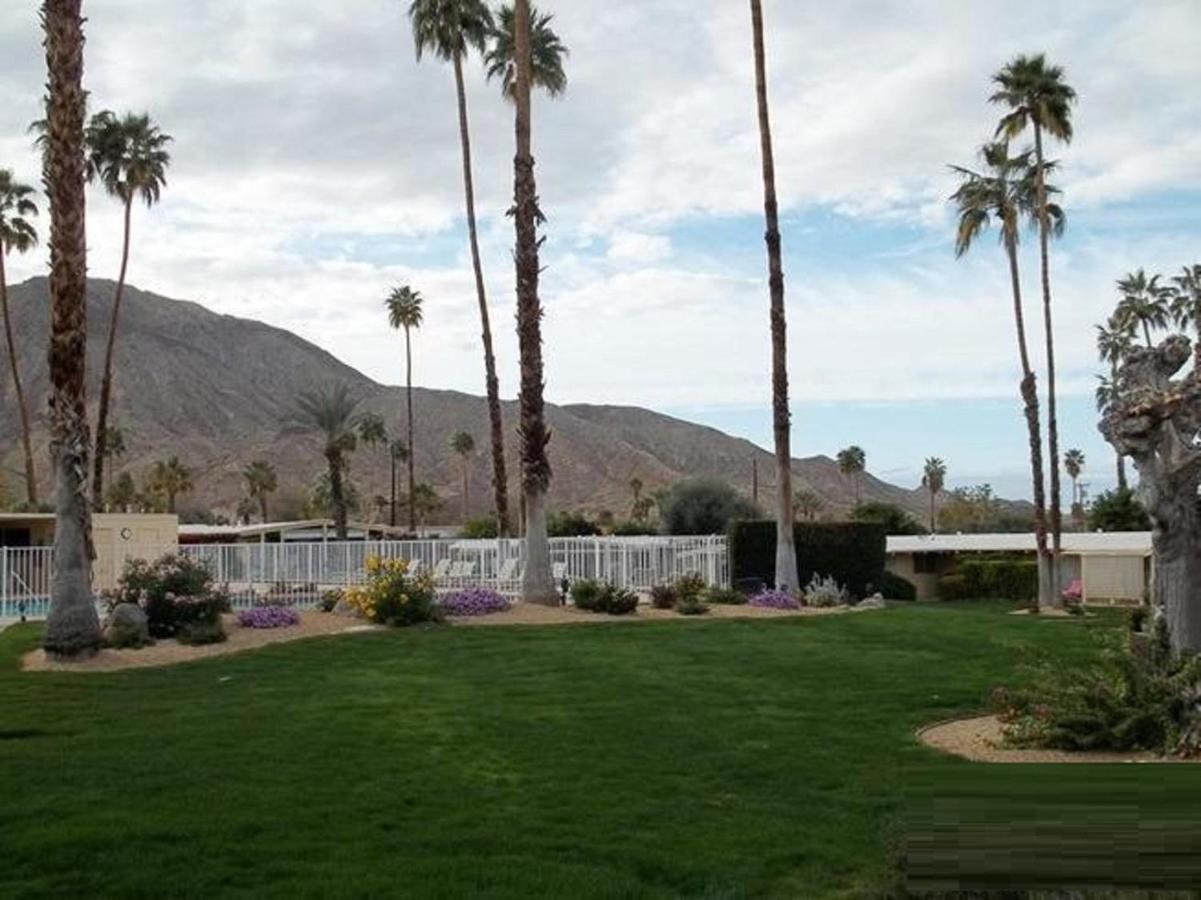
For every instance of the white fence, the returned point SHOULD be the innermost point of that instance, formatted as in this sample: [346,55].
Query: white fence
[302,572]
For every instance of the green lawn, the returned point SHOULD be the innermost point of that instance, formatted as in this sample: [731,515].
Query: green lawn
[712,759]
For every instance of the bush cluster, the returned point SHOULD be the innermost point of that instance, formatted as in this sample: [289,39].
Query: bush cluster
[722,596]
[393,596]
[595,596]
[176,593]
[989,578]
[851,552]
[894,587]
[1139,696]
[825,592]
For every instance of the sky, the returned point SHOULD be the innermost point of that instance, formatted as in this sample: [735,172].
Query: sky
[316,164]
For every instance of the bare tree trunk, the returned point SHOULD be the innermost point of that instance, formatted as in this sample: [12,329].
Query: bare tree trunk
[1122,485]
[106,382]
[500,478]
[337,494]
[72,628]
[538,584]
[786,570]
[412,450]
[1044,229]
[31,482]
[392,507]
[1028,388]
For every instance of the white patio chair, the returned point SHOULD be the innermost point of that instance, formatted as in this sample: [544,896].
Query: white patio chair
[442,569]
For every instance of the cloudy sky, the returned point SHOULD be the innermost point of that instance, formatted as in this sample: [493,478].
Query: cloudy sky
[316,164]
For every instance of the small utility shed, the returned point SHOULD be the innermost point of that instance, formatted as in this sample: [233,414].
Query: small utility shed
[1113,567]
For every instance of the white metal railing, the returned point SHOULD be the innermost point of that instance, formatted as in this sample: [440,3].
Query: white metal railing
[300,573]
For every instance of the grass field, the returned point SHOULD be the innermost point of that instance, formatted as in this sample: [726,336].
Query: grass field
[677,759]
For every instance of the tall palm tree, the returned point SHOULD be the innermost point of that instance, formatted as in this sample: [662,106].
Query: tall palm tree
[1115,340]
[123,493]
[786,568]
[1186,303]
[1038,97]
[1145,303]
[397,454]
[1005,193]
[463,444]
[170,478]
[261,482]
[547,53]
[114,449]
[1073,464]
[423,501]
[128,154]
[451,29]
[17,234]
[934,479]
[333,414]
[852,462]
[537,584]
[404,311]
[72,627]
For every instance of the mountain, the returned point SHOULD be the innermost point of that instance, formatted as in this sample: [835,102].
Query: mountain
[218,391]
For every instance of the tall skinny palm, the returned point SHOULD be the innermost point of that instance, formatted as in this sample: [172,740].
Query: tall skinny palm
[404,311]
[170,478]
[1145,303]
[786,567]
[537,582]
[547,53]
[934,479]
[129,156]
[1037,96]
[451,29]
[333,414]
[1004,192]
[463,445]
[72,627]
[852,462]
[261,482]
[1115,339]
[17,234]
[1073,464]
[1186,303]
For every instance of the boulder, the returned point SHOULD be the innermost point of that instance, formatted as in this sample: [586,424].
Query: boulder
[127,627]
[875,601]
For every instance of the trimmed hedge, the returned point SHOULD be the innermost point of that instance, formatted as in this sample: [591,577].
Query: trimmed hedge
[985,578]
[894,587]
[851,552]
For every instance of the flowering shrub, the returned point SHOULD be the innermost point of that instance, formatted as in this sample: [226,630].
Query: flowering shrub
[663,596]
[269,617]
[392,596]
[174,592]
[825,592]
[473,602]
[1074,592]
[773,599]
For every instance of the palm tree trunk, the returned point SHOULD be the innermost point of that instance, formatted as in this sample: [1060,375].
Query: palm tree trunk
[263,506]
[500,478]
[932,528]
[1028,388]
[466,488]
[31,484]
[1044,234]
[392,507]
[72,628]
[1122,473]
[409,402]
[337,495]
[106,383]
[537,582]
[786,569]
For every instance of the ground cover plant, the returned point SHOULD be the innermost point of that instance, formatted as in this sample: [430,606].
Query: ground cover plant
[777,760]
[269,617]
[473,602]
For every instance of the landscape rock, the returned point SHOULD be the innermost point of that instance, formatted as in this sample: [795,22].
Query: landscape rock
[875,601]
[127,627]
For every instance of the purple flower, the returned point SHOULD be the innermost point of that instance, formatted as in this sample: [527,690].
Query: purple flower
[771,599]
[473,602]
[268,617]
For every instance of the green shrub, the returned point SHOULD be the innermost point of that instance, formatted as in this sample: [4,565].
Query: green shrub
[593,596]
[393,595]
[894,587]
[689,587]
[1118,510]
[173,591]
[570,524]
[725,597]
[850,552]
[999,578]
[1139,696]
[197,633]
[479,528]
[895,519]
[692,605]
[633,529]
[952,587]
[663,596]
[329,600]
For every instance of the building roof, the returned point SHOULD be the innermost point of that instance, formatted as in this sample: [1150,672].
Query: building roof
[317,526]
[1123,543]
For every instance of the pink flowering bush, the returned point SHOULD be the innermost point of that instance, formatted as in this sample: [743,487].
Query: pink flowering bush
[1074,592]
[269,617]
[773,599]
[174,591]
[473,602]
